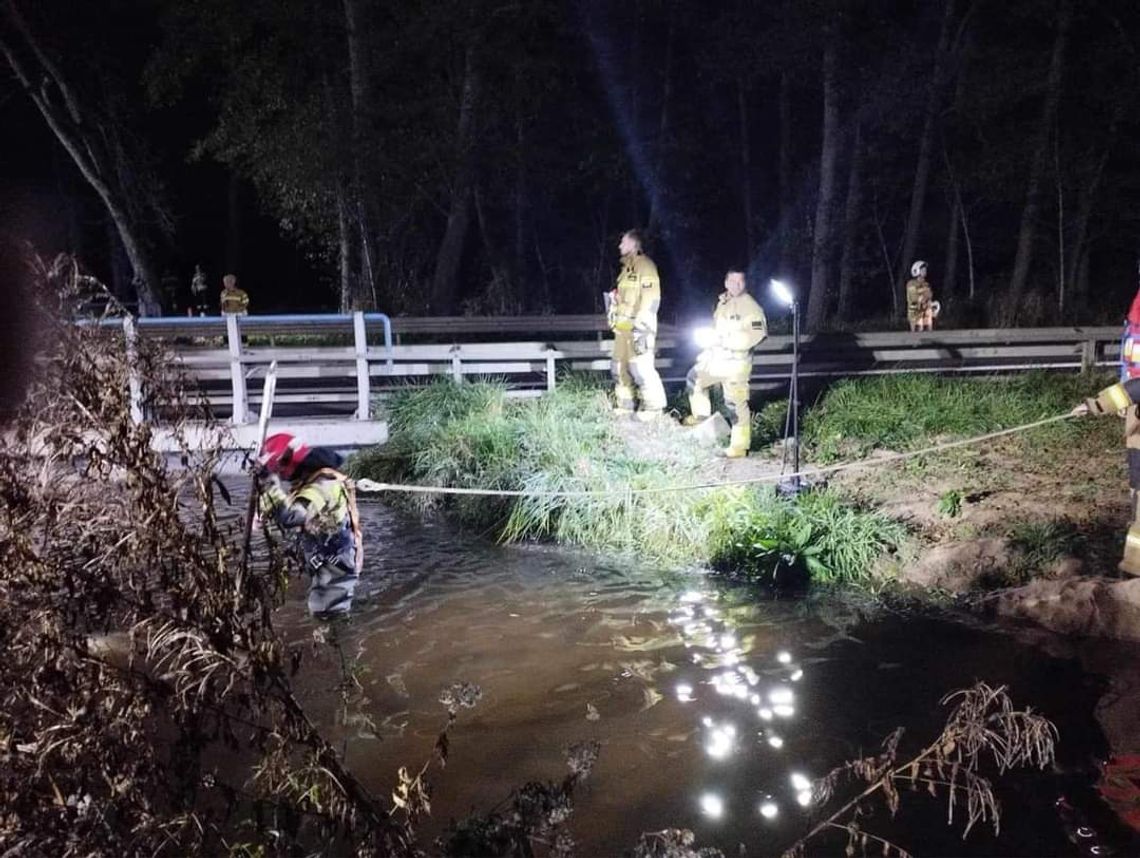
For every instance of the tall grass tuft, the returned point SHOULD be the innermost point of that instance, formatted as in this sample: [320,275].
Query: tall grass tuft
[904,411]
[472,435]
[760,536]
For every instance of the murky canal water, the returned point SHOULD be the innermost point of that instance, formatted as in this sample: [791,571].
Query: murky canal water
[709,702]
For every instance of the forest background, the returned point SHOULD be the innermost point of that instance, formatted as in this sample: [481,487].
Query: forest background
[483,156]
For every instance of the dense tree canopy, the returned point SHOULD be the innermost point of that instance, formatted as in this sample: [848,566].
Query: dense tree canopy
[475,156]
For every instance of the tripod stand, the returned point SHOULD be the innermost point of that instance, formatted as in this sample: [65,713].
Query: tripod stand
[792,485]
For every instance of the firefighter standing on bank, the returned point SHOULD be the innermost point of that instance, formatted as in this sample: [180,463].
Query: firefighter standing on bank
[921,308]
[632,314]
[1124,397]
[321,507]
[739,325]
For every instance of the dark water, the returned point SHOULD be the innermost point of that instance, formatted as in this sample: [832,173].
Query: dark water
[711,703]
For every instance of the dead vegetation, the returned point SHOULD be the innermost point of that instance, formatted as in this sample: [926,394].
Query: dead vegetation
[137,658]
[983,730]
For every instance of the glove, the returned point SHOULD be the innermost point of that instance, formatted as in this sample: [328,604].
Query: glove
[272,496]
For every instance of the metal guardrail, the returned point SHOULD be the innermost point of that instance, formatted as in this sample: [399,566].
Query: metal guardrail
[324,377]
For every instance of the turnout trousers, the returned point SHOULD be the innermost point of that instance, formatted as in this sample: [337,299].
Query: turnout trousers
[1130,562]
[732,376]
[630,369]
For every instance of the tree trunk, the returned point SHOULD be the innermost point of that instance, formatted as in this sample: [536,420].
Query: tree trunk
[499,292]
[750,238]
[656,202]
[958,212]
[1058,177]
[1085,201]
[851,226]
[360,128]
[953,233]
[887,267]
[344,248]
[346,225]
[787,195]
[1027,231]
[819,295]
[926,146]
[445,282]
[521,207]
[122,284]
[101,164]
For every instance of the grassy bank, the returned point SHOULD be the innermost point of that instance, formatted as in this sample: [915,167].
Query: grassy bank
[1049,501]
[1024,489]
[473,436]
[902,412]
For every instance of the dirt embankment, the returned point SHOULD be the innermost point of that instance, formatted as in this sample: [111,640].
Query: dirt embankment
[1032,528]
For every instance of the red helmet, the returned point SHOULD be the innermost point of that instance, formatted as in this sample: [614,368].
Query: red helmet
[282,453]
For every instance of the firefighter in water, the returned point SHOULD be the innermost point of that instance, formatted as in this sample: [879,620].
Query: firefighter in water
[921,308]
[632,313]
[321,506]
[739,325]
[1124,397]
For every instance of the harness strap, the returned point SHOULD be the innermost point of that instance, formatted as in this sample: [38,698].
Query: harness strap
[353,512]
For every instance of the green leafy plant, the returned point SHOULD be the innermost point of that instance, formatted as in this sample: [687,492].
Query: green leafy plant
[760,536]
[768,423]
[950,504]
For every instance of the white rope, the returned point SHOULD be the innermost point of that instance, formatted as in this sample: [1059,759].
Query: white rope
[370,486]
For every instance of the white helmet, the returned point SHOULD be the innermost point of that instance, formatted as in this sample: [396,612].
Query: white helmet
[917,267]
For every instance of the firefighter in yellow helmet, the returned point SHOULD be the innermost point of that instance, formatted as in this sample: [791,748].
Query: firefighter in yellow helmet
[632,313]
[1124,397]
[739,324]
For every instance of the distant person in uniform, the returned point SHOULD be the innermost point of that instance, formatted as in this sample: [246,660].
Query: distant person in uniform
[921,308]
[198,289]
[632,313]
[234,301]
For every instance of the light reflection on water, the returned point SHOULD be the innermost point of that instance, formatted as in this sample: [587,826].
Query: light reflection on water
[715,710]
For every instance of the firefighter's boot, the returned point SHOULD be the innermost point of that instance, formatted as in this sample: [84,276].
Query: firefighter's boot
[1130,563]
[739,441]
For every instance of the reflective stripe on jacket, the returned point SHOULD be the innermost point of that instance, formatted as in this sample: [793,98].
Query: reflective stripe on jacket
[1130,352]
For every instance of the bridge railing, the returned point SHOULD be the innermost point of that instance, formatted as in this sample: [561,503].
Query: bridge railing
[343,362]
